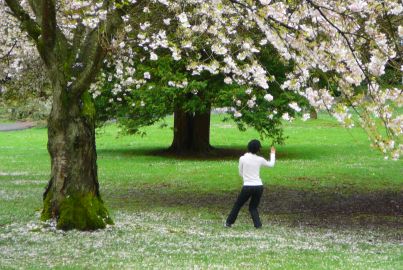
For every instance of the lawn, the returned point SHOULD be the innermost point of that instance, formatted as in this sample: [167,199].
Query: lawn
[330,202]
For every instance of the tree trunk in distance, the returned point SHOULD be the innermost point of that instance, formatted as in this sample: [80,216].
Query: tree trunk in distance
[201,132]
[72,195]
[191,133]
[313,114]
[182,132]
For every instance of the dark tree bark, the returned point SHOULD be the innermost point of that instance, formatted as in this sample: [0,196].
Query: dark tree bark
[72,195]
[183,124]
[201,132]
[191,132]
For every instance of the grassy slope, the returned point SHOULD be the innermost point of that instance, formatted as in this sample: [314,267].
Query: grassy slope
[169,212]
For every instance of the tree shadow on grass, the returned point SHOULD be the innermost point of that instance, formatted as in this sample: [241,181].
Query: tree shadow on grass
[224,153]
[213,154]
[321,208]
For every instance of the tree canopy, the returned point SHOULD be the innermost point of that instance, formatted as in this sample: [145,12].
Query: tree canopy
[162,95]
[351,41]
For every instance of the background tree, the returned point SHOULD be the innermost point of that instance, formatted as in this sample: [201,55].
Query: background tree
[312,36]
[173,90]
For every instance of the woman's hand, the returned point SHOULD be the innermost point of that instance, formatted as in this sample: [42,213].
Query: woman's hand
[273,150]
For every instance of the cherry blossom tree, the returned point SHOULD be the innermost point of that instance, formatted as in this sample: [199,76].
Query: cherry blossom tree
[350,41]
[69,37]
[173,90]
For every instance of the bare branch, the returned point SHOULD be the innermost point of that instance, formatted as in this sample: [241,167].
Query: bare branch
[9,51]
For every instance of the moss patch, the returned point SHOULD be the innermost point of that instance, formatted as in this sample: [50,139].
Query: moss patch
[88,109]
[47,207]
[83,212]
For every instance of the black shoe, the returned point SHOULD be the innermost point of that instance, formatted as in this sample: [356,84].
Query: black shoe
[226,225]
[258,227]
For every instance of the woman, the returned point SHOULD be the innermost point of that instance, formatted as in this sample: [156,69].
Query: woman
[249,170]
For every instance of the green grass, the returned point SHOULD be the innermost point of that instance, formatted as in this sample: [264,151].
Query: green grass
[331,202]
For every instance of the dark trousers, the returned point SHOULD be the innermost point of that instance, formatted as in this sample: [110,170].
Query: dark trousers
[253,192]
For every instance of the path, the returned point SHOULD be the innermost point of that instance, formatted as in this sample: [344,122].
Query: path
[16,126]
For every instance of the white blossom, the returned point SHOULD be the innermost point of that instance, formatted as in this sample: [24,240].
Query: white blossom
[237,114]
[286,117]
[153,56]
[219,49]
[265,2]
[147,75]
[268,97]
[251,103]
[183,19]
[358,5]
[228,80]
[294,106]
[305,116]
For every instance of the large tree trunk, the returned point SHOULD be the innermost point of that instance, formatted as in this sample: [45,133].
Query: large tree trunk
[201,132]
[183,123]
[191,133]
[72,195]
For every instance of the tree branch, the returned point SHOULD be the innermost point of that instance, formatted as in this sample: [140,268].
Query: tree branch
[353,52]
[36,8]
[49,25]
[93,52]
[78,35]
[9,51]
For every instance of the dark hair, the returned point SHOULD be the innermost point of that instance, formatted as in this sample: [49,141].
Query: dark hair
[254,146]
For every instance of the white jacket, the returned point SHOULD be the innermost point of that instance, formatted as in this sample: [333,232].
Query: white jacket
[249,168]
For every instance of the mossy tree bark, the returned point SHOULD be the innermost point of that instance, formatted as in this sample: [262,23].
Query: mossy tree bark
[72,195]
[191,132]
